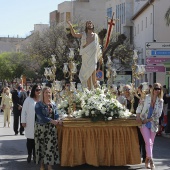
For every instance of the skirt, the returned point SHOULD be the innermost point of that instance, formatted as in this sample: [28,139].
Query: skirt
[46,144]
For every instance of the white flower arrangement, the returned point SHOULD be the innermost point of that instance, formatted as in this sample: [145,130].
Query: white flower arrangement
[98,104]
[63,108]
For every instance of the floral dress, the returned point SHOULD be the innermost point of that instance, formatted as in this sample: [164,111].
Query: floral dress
[46,144]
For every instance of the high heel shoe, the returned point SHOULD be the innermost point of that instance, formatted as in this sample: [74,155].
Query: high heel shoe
[147,163]
[152,166]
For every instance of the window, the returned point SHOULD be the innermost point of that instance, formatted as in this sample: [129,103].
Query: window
[151,19]
[124,12]
[68,16]
[142,26]
[131,35]
[120,14]
[146,22]
[109,12]
[142,61]
[116,17]
[138,29]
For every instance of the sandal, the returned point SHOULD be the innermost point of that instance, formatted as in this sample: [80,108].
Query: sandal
[42,166]
[147,163]
[152,166]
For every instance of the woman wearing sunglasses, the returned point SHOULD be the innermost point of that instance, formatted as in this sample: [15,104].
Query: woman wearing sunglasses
[28,119]
[148,112]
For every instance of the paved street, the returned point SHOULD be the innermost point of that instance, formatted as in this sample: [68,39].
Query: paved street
[13,154]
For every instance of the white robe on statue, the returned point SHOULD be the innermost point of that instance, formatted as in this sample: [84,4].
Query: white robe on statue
[90,56]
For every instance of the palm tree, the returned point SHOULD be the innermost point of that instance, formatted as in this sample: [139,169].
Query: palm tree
[167,17]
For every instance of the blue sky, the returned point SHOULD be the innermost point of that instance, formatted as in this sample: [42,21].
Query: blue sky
[17,17]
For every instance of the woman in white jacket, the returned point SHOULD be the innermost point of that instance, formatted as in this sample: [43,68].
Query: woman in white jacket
[28,119]
[148,112]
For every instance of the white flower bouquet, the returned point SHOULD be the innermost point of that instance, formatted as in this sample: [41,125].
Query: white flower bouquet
[98,104]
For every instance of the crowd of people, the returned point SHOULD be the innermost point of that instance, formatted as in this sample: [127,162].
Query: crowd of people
[151,108]
[35,113]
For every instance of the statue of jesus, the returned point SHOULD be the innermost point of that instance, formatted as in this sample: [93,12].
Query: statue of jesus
[91,53]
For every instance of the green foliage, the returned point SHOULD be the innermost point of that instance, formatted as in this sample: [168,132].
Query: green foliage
[124,53]
[11,65]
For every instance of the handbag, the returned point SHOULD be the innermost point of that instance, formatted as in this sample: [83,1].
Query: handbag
[3,107]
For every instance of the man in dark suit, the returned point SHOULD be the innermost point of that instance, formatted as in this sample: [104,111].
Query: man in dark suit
[29,91]
[18,98]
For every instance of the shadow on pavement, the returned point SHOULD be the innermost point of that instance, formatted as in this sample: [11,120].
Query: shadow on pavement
[13,147]
[88,167]
[19,164]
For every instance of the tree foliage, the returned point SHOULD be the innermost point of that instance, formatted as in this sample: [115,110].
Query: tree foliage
[6,71]
[13,65]
[53,41]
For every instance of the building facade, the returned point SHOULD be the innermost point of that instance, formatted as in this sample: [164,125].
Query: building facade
[150,26]
[9,44]
[14,44]
[54,17]
[123,13]
[81,10]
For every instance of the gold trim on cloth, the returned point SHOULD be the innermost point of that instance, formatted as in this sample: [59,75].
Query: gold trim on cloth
[73,122]
[111,143]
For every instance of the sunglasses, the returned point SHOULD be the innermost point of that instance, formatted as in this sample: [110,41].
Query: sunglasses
[156,88]
[37,90]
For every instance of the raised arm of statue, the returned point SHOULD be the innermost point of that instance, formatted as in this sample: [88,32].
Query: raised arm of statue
[74,34]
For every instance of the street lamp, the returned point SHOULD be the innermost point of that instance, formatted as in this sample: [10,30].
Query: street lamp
[69,70]
[110,71]
[138,71]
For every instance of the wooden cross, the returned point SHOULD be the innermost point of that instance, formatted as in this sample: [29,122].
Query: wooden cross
[109,31]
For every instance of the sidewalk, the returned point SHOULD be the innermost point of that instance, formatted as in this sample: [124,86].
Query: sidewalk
[13,151]
[166,135]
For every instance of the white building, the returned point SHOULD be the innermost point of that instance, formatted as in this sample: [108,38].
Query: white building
[150,26]
[10,44]
[123,12]
[143,21]
[83,10]
[138,4]
[40,27]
